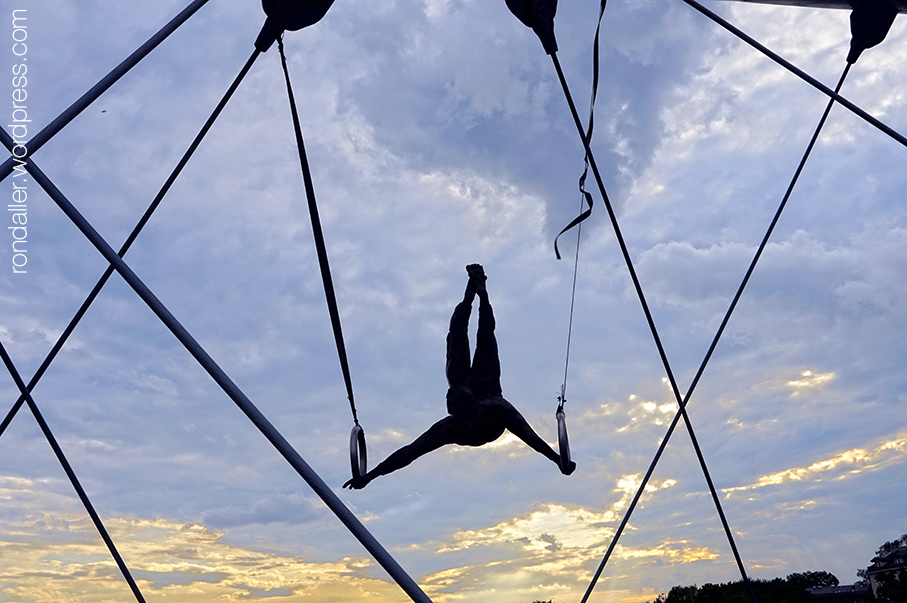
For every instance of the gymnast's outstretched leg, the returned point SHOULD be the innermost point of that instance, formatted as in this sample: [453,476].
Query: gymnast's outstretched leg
[458,338]
[485,377]
[518,426]
[446,431]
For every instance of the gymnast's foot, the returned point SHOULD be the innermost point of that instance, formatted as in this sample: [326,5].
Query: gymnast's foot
[477,275]
[476,272]
[570,468]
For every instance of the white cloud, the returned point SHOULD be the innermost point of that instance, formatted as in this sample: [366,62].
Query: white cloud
[841,466]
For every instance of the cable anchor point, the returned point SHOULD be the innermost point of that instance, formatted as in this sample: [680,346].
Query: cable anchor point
[288,15]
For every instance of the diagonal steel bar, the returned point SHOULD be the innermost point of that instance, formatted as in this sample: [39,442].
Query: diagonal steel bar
[799,72]
[267,429]
[95,518]
[61,340]
[760,249]
[716,339]
[98,89]
[645,306]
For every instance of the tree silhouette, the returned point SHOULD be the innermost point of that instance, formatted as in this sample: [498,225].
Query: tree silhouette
[812,579]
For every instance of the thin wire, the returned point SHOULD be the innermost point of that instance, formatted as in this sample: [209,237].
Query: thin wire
[319,238]
[727,316]
[61,340]
[70,473]
[563,397]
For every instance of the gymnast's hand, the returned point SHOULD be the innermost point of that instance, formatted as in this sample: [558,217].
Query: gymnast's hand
[356,483]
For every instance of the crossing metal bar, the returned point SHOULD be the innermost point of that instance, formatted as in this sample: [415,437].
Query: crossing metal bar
[681,400]
[61,340]
[798,72]
[267,429]
[98,89]
[48,434]
[718,333]
[682,410]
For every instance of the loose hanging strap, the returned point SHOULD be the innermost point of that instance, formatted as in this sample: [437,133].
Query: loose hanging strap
[357,437]
[582,180]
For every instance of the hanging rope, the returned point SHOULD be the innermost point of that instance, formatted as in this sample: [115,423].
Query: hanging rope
[319,237]
[358,455]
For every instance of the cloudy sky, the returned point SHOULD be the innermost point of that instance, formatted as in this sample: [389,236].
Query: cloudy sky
[438,136]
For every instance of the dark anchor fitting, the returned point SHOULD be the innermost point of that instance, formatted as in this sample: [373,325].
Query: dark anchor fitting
[539,16]
[869,24]
[289,15]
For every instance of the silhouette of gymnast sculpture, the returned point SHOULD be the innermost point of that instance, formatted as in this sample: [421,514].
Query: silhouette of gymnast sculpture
[478,413]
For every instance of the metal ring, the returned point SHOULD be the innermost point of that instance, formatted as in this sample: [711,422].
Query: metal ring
[562,442]
[358,456]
